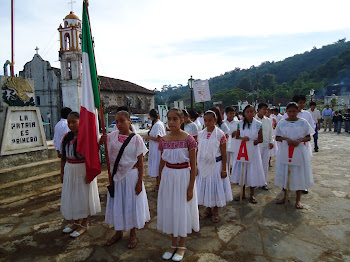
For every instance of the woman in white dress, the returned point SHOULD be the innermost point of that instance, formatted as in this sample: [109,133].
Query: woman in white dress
[189,127]
[128,209]
[253,174]
[213,184]
[79,199]
[196,119]
[177,198]
[294,130]
[157,131]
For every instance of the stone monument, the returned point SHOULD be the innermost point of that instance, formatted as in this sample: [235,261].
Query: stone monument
[20,120]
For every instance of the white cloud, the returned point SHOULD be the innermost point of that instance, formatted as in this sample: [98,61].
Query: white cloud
[153,42]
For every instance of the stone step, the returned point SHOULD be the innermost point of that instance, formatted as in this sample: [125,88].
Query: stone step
[20,172]
[21,198]
[29,184]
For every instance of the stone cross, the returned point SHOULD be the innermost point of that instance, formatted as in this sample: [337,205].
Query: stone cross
[37,49]
[71,4]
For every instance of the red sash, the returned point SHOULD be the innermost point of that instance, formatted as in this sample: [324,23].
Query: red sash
[178,166]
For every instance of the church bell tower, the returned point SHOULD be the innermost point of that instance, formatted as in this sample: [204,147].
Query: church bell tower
[70,58]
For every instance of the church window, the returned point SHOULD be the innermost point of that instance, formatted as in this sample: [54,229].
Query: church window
[67,41]
[38,100]
[79,24]
[66,24]
[80,41]
[69,69]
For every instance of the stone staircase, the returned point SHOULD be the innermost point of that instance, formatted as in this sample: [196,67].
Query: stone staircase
[28,175]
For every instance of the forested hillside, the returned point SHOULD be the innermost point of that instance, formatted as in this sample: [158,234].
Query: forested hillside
[297,74]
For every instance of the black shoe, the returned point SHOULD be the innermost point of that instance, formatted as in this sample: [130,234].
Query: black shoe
[265,187]
[316,150]
[305,191]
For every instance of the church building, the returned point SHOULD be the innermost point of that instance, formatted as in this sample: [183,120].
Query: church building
[56,88]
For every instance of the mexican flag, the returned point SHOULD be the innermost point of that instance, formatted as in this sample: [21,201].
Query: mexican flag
[90,100]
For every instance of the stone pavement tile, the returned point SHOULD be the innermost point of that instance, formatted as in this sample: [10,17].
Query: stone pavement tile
[340,233]
[204,244]
[248,241]
[228,231]
[42,259]
[208,257]
[5,228]
[100,255]
[75,255]
[22,229]
[96,231]
[284,246]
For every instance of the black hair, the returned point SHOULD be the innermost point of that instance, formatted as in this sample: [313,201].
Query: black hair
[65,111]
[261,105]
[69,137]
[193,114]
[122,108]
[218,115]
[245,121]
[125,114]
[298,98]
[199,112]
[154,113]
[292,104]
[312,103]
[184,111]
[230,109]
[275,109]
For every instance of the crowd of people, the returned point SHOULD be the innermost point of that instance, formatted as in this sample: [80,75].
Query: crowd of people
[192,159]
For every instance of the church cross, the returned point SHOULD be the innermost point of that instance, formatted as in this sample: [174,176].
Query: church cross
[71,4]
[37,49]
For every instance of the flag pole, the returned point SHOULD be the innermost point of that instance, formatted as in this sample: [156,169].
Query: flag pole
[100,108]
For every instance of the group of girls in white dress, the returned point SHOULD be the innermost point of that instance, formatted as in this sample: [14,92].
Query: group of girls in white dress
[190,172]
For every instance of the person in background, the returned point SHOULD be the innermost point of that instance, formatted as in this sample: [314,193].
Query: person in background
[316,115]
[327,115]
[277,114]
[220,124]
[232,123]
[188,126]
[335,121]
[267,143]
[340,122]
[201,119]
[346,118]
[61,129]
[195,119]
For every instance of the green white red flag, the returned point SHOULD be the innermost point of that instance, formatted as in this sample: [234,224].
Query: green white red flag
[88,134]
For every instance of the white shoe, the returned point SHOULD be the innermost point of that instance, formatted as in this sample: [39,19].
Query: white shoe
[176,256]
[167,255]
[69,229]
[77,234]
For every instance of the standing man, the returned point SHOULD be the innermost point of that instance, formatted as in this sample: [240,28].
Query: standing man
[316,115]
[61,129]
[327,115]
[268,142]
[346,117]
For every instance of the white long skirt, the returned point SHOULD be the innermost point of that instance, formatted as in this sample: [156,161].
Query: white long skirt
[176,215]
[78,199]
[153,159]
[127,210]
[214,191]
[253,174]
[301,176]
[265,157]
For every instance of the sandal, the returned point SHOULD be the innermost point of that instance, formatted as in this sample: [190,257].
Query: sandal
[76,234]
[71,228]
[167,255]
[215,217]
[114,239]
[281,201]
[132,242]
[207,213]
[238,198]
[299,206]
[177,257]
[253,200]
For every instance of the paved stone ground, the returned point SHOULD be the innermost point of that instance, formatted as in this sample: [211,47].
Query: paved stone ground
[31,230]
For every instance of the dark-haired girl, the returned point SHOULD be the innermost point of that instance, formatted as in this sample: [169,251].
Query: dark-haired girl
[295,131]
[249,129]
[177,210]
[189,127]
[157,131]
[219,122]
[79,199]
[214,189]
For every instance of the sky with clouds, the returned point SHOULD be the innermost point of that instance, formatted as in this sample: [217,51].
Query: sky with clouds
[157,42]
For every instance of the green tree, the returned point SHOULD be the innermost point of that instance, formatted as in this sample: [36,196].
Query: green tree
[268,82]
[245,84]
